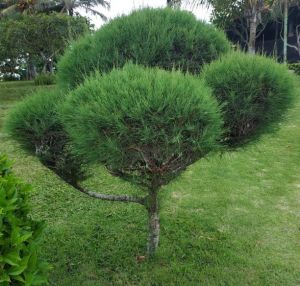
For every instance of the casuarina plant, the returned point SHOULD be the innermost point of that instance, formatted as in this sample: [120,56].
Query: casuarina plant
[254,92]
[35,124]
[165,38]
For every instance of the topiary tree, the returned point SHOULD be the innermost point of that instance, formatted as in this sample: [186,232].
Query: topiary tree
[165,38]
[19,234]
[35,124]
[143,125]
[254,92]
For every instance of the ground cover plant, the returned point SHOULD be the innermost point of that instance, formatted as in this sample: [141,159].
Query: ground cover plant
[227,219]
[165,38]
[19,262]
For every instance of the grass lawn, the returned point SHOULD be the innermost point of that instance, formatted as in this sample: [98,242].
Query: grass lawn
[228,220]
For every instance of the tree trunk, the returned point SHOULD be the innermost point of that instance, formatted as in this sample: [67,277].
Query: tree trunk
[31,70]
[50,66]
[154,227]
[252,34]
[285,30]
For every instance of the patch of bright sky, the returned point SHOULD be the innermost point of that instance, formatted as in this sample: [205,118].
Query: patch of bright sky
[120,7]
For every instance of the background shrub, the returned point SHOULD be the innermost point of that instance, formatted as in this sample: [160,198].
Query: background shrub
[254,91]
[19,234]
[143,124]
[295,67]
[45,79]
[165,38]
[35,124]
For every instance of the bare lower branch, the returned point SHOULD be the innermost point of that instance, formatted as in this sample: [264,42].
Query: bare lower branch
[114,198]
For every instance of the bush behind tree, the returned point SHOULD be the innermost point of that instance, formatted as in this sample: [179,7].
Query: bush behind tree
[254,91]
[19,234]
[45,79]
[165,38]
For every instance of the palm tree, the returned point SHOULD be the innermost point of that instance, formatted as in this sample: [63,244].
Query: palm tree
[12,7]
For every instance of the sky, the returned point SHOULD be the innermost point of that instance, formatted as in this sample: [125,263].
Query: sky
[119,7]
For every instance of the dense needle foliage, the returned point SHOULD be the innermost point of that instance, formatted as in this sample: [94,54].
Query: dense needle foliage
[152,37]
[143,124]
[254,91]
[35,124]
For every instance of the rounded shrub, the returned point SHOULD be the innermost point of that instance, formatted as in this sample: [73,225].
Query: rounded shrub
[35,124]
[143,124]
[165,38]
[253,90]
[19,234]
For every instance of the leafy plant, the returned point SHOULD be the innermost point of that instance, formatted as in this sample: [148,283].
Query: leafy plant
[144,125]
[19,234]
[253,90]
[165,38]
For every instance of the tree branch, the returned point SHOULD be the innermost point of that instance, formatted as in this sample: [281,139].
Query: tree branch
[113,198]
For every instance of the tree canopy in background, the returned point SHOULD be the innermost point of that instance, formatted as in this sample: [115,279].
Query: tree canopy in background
[38,40]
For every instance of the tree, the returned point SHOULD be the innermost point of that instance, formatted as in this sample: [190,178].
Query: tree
[146,125]
[141,132]
[39,39]
[280,11]
[246,13]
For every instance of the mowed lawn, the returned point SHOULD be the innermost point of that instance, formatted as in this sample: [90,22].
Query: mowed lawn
[227,220]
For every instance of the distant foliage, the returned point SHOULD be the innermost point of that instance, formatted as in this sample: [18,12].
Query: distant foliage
[19,234]
[35,124]
[254,91]
[145,125]
[38,39]
[45,79]
[295,67]
[165,38]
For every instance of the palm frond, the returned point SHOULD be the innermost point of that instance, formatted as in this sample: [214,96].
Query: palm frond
[95,12]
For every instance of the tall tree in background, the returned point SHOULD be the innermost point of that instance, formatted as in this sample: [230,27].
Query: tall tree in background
[226,11]
[285,25]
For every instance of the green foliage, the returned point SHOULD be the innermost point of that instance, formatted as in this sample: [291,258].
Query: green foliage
[295,67]
[254,91]
[228,219]
[39,38]
[19,234]
[145,125]
[45,79]
[35,124]
[152,37]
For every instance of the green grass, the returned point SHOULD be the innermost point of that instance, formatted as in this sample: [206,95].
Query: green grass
[229,220]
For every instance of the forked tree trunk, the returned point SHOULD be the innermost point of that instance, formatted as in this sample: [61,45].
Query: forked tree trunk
[154,227]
